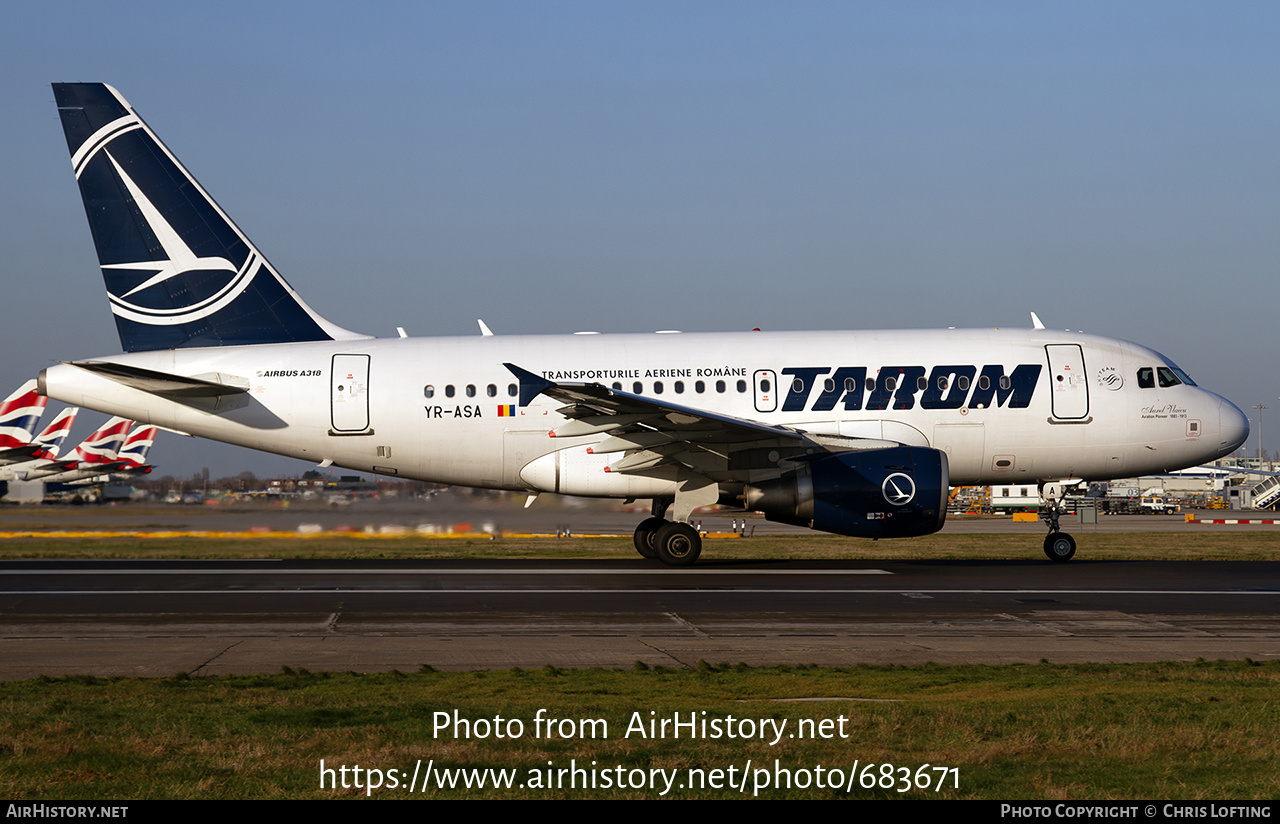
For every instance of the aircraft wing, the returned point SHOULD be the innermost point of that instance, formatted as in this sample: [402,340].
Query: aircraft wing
[647,433]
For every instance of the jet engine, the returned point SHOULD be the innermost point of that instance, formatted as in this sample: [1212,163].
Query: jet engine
[884,493]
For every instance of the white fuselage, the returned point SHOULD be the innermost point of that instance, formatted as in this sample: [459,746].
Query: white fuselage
[1070,406]
[29,470]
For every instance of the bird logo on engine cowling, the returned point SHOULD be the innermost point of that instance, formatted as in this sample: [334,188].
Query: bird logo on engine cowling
[898,489]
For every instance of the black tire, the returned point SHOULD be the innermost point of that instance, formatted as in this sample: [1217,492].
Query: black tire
[678,544]
[645,534]
[1059,547]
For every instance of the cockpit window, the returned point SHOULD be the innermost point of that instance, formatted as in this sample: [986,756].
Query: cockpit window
[1167,376]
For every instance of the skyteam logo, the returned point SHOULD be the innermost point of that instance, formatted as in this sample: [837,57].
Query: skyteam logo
[898,489]
[172,284]
[1110,378]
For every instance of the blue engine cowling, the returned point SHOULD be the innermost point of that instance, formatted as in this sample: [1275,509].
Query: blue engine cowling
[885,493]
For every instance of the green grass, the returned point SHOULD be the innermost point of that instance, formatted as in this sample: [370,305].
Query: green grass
[1178,731]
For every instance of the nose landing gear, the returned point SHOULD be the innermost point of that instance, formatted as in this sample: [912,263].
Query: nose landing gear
[1059,547]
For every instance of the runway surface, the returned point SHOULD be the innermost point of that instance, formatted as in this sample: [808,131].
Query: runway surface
[548,515]
[161,618]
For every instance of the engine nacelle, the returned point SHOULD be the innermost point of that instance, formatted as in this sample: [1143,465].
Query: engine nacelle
[884,493]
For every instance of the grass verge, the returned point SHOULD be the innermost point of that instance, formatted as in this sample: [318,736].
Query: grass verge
[1203,730]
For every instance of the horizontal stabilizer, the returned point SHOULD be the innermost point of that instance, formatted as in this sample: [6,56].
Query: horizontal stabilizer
[175,387]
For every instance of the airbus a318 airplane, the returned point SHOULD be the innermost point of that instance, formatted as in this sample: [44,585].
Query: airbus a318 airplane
[855,433]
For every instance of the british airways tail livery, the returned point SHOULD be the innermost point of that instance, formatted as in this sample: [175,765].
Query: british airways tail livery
[96,452]
[47,445]
[856,433]
[133,455]
[41,451]
[19,414]
[97,459]
[51,437]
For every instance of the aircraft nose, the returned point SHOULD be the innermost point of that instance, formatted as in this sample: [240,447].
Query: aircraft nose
[1233,427]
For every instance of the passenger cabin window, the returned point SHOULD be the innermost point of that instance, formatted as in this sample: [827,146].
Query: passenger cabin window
[637,388]
[491,390]
[742,386]
[428,391]
[448,391]
[720,387]
[513,390]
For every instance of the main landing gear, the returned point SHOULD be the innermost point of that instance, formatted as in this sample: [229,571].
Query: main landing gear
[1059,547]
[671,542]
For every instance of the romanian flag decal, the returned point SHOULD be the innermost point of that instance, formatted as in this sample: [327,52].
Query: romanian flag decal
[506,410]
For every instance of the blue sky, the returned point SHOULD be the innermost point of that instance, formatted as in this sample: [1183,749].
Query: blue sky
[551,167]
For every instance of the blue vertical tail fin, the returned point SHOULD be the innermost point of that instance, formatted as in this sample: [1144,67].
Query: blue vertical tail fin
[178,271]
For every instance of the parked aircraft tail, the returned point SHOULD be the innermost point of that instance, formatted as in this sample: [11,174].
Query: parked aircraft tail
[103,445]
[51,438]
[19,414]
[136,446]
[179,273]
